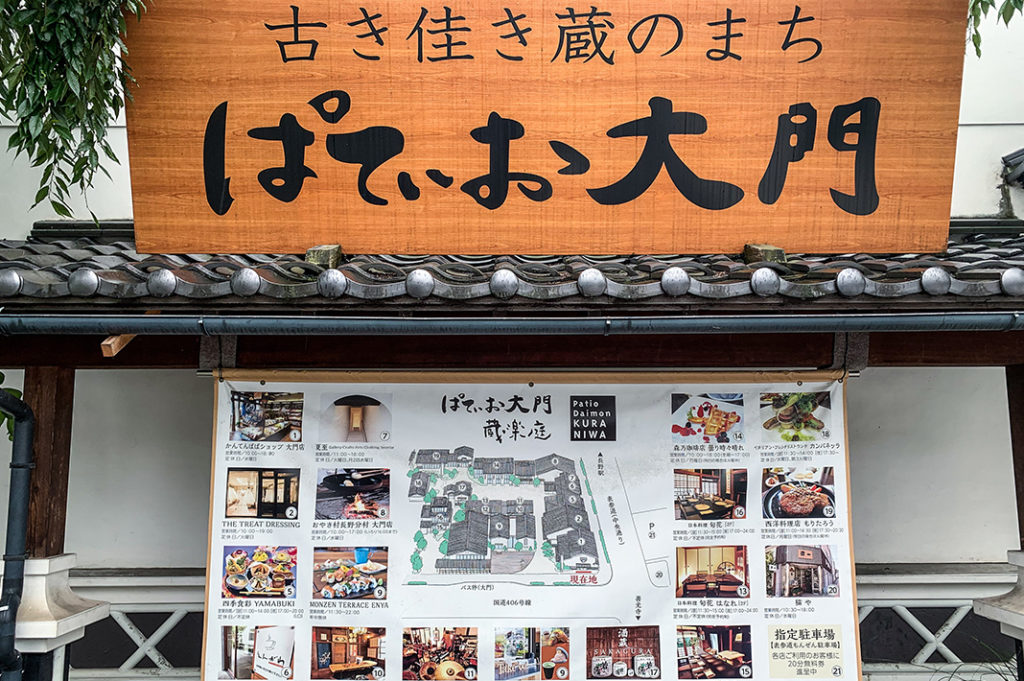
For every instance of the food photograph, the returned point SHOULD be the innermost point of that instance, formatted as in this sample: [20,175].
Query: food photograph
[713,418]
[795,417]
[259,572]
[350,573]
[798,492]
[710,493]
[353,493]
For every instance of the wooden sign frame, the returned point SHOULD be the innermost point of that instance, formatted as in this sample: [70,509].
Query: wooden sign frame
[629,127]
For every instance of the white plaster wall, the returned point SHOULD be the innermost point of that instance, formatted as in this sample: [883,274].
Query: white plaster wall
[991,121]
[930,467]
[139,490]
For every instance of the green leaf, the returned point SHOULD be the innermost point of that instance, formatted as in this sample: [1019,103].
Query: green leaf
[1007,11]
[60,208]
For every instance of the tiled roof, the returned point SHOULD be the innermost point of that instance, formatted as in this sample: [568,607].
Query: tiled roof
[76,271]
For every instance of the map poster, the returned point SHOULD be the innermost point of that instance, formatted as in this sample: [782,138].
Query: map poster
[530,526]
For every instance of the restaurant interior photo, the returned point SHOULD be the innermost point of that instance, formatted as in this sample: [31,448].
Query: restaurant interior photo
[263,493]
[712,571]
[270,417]
[441,653]
[710,494]
[721,652]
[348,653]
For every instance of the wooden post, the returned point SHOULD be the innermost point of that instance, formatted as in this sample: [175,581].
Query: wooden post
[50,391]
[1015,397]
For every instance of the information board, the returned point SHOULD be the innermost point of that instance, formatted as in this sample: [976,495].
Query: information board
[543,526]
[628,126]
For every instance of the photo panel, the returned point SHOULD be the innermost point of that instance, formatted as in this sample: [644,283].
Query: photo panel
[266,416]
[350,572]
[709,493]
[707,418]
[712,572]
[801,571]
[353,493]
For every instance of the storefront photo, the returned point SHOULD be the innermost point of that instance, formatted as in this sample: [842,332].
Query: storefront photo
[620,652]
[257,652]
[802,571]
[263,493]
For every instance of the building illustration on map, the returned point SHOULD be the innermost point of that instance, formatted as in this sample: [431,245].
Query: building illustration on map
[502,515]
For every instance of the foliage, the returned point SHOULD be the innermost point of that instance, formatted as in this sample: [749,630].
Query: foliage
[61,82]
[976,9]
[4,416]
[1002,667]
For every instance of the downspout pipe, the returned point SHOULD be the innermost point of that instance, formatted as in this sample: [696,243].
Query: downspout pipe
[17,529]
[276,325]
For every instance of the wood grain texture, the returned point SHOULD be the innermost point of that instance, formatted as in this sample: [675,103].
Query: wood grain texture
[50,391]
[190,56]
[1015,398]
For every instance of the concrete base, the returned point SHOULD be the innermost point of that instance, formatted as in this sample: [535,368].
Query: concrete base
[51,615]
[1007,609]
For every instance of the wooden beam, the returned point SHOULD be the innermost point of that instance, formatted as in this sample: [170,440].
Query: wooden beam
[84,352]
[776,350]
[947,348]
[50,391]
[112,345]
[509,352]
[1015,398]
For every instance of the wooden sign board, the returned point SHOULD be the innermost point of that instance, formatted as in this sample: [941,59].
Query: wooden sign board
[631,126]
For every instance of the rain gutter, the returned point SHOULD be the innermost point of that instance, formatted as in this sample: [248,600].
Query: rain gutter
[253,325]
[17,528]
